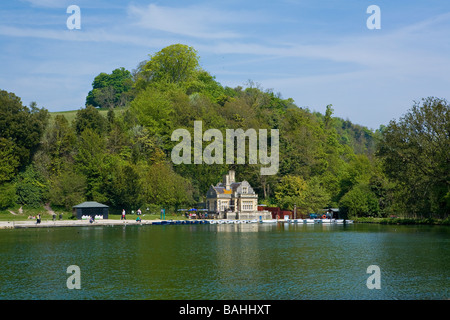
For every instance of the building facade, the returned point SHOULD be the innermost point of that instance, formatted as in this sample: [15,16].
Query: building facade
[233,200]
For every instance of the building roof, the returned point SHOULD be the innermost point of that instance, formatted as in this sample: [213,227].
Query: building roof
[90,204]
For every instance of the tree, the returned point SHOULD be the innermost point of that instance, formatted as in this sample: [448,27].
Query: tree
[67,189]
[89,118]
[121,183]
[8,195]
[31,187]
[161,185]
[9,160]
[173,64]
[415,154]
[291,191]
[89,161]
[111,90]
[360,201]
[58,143]
[317,197]
[154,110]
[23,127]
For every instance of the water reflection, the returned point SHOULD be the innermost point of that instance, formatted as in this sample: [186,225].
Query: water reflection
[229,261]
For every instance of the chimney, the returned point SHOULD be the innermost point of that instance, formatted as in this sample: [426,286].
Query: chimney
[226,181]
[232,177]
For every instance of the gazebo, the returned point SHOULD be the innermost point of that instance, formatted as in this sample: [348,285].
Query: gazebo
[92,209]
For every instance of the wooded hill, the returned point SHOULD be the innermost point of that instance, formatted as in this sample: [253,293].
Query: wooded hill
[117,149]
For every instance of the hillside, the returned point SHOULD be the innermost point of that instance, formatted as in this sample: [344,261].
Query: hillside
[142,153]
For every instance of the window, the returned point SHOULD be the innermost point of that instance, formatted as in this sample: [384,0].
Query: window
[244,190]
[223,205]
[247,205]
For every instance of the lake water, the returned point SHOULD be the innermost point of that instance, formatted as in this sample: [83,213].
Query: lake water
[216,262]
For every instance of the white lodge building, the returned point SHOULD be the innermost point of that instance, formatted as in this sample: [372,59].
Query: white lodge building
[234,200]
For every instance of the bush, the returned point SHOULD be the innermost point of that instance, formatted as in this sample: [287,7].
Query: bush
[31,188]
[360,201]
[7,195]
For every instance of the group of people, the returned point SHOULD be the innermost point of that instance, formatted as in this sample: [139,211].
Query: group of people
[197,216]
[124,215]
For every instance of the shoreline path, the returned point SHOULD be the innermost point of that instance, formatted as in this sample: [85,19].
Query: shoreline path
[68,223]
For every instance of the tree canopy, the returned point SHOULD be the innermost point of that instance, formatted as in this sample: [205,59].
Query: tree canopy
[415,153]
[111,90]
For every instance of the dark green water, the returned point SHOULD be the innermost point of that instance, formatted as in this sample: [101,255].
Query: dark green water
[244,261]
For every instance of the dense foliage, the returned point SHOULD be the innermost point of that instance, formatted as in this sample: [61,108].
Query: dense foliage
[123,157]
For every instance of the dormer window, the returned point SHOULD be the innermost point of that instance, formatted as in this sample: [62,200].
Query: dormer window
[244,190]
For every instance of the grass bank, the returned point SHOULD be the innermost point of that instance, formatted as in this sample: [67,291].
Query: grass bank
[71,114]
[19,213]
[403,221]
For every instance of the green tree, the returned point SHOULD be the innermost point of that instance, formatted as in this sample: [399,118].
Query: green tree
[22,126]
[415,154]
[155,111]
[67,189]
[89,161]
[111,90]
[317,197]
[121,183]
[9,162]
[59,143]
[31,187]
[89,118]
[176,63]
[292,190]
[8,195]
[360,201]
[161,185]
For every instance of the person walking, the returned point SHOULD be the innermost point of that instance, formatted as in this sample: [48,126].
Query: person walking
[38,220]
[123,215]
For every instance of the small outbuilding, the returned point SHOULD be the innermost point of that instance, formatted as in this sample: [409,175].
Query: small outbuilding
[91,209]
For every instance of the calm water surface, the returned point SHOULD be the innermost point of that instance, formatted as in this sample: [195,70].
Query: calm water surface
[244,261]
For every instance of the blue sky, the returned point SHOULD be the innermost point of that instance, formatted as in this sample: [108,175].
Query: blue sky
[317,52]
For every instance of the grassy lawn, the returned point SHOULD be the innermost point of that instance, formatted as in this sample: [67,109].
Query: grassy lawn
[6,215]
[70,115]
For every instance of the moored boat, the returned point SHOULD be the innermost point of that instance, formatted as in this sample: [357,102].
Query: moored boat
[269,221]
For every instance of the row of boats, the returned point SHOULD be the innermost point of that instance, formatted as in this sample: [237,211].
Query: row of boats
[231,221]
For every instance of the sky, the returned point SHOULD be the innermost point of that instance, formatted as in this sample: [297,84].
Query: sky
[317,52]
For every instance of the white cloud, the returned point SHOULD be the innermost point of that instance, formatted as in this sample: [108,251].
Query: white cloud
[49,3]
[391,66]
[199,22]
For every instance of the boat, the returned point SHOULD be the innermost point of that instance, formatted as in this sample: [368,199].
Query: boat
[308,221]
[344,221]
[269,221]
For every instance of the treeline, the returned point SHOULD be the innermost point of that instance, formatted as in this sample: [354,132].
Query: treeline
[123,159]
